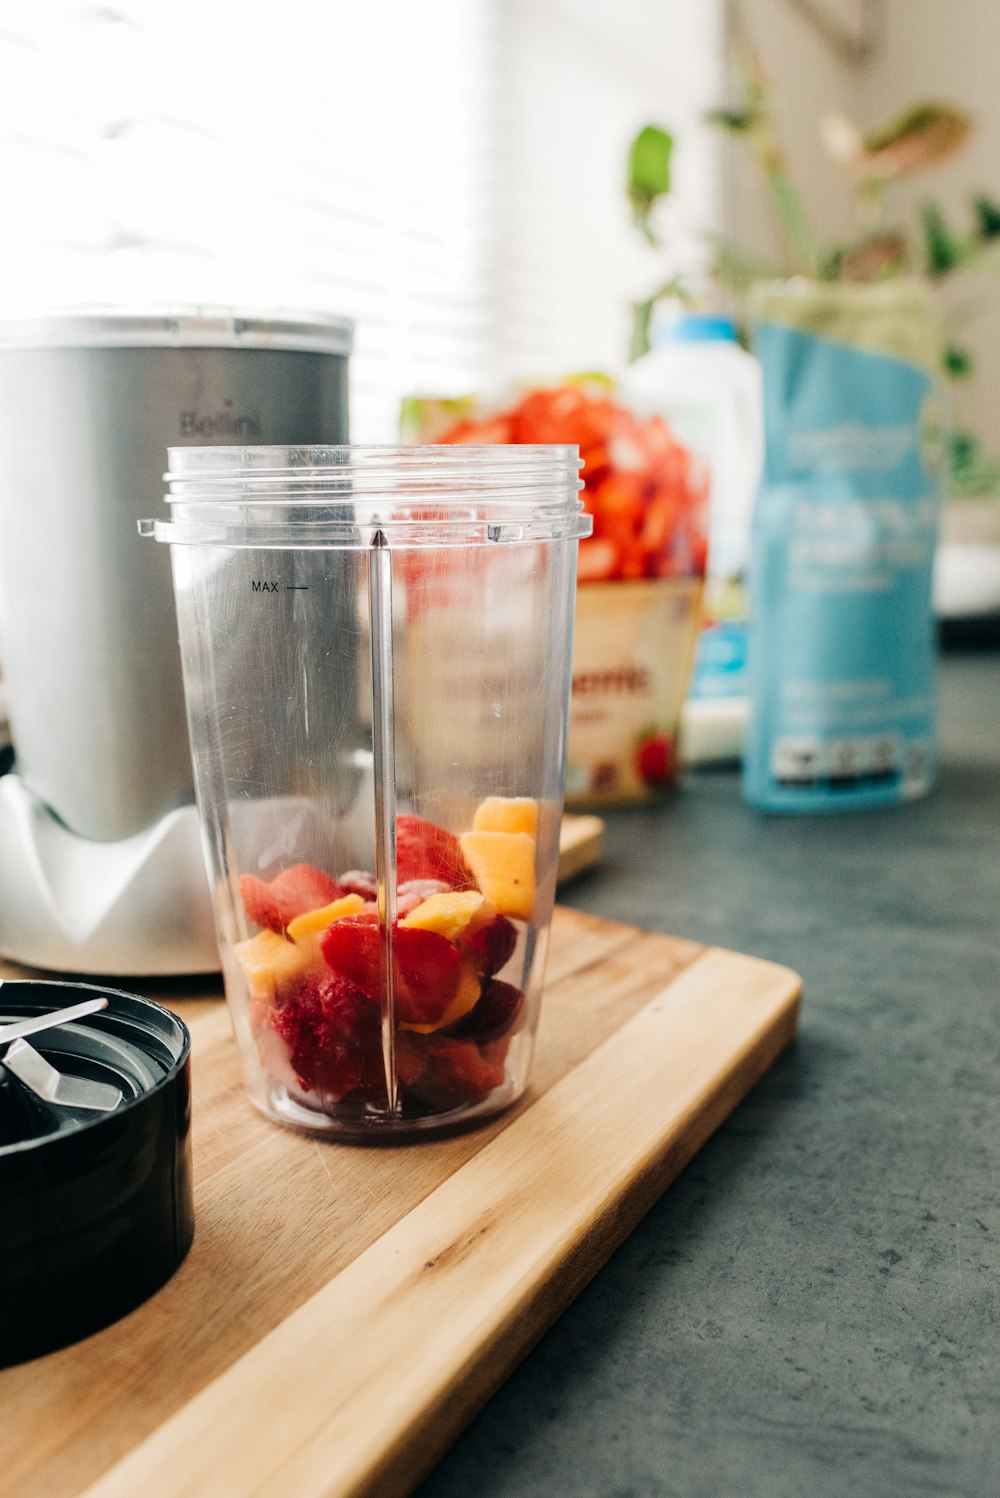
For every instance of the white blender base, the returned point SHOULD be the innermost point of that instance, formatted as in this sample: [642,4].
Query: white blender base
[140,906]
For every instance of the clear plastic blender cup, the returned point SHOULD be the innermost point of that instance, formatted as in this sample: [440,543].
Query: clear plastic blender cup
[376,646]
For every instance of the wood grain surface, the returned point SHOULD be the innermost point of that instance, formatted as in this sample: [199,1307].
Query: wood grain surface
[345,1310]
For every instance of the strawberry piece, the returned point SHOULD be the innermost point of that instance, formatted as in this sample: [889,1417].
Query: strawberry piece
[292,892]
[457,1071]
[428,966]
[334,1036]
[426,851]
[496,1013]
[351,948]
[656,760]
[359,882]
[428,969]
[492,945]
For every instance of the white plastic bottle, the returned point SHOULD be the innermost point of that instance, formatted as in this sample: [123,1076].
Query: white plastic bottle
[709,391]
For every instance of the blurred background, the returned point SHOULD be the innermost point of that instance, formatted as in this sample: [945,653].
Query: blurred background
[452,175]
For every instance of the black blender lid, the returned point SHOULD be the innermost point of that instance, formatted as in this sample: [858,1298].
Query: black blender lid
[96,1201]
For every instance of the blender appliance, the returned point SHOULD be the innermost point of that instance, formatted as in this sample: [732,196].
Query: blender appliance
[101,867]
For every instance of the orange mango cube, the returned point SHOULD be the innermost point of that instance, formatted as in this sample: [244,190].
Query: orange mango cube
[507,814]
[503,865]
[313,922]
[268,961]
[450,912]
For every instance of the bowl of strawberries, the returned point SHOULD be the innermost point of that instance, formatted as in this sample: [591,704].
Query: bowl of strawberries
[639,574]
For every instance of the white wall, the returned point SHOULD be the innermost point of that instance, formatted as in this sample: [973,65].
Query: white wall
[807,81]
[583,77]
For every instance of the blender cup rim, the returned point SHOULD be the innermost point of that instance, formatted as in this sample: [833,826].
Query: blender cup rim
[344,496]
[217,464]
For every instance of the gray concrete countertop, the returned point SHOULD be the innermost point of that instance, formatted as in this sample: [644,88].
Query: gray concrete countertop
[813,1308]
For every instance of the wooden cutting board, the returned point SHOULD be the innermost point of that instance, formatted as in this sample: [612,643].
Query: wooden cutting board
[345,1311]
[581,845]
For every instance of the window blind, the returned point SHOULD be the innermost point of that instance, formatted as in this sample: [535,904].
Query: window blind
[450,175]
[336,158]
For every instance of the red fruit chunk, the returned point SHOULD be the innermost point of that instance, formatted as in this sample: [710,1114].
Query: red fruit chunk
[492,945]
[351,948]
[334,1036]
[496,1013]
[428,970]
[292,892]
[656,760]
[426,851]
[428,966]
[458,1071]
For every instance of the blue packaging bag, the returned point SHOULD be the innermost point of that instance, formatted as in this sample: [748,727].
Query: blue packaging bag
[841,627]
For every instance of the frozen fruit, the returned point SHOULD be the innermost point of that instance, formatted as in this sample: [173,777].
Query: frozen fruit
[414,892]
[496,1013]
[491,946]
[333,1033]
[426,851]
[315,921]
[451,913]
[428,966]
[656,760]
[307,929]
[351,947]
[507,814]
[358,882]
[458,1071]
[268,962]
[504,867]
[288,894]
[466,999]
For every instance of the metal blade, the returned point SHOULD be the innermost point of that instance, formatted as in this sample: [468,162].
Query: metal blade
[54,1086]
[38,1022]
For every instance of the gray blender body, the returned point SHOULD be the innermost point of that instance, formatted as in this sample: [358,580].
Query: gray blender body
[100,857]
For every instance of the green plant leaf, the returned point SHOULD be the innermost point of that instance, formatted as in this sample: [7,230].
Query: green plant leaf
[921,137]
[875,257]
[987,217]
[956,361]
[649,168]
[973,474]
[642,317]
[942,251]
[642,314]
[735,121]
